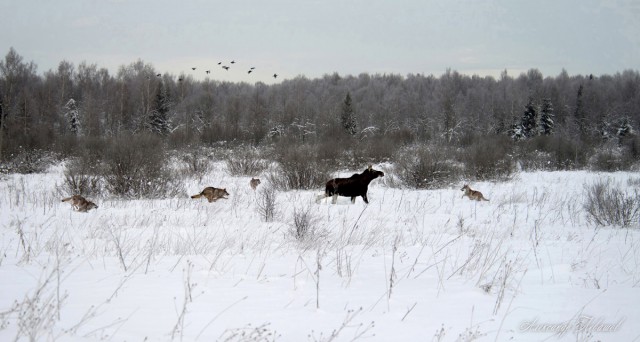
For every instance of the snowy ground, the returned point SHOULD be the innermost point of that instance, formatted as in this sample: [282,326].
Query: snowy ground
[410,266]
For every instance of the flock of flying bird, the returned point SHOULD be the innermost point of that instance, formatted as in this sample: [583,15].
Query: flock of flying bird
[225,67]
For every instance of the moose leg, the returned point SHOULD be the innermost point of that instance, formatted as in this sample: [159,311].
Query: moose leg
[353,200]
[334,199]
[364,197]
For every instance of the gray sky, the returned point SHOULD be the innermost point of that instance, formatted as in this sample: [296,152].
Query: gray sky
[313,38]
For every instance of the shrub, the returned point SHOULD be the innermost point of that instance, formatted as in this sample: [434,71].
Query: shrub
[489,159]
[303,222]
[569,154]
[609,159]
[82,174]
[136,166]
[634,182]
[304,227]
[334,151]
[606,204]
[194,163]
[391,178]
[245,161]
[555,152]
[298,168]
[27,161]
[81,178]
[631,148]
[266,205]
[372,150]
[427,167]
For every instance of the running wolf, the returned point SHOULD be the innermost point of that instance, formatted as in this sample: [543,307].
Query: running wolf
[212,194]
[80,203]
[472,194]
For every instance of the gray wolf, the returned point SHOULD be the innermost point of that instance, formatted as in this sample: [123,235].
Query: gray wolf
[212,194]
[254,183]
[80,203]
[472,194]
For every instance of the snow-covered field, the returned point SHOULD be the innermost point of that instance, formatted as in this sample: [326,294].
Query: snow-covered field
[410,266]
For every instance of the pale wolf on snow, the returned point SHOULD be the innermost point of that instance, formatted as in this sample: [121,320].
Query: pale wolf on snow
[254,183]
[80,203]
[472,194]
[212,194]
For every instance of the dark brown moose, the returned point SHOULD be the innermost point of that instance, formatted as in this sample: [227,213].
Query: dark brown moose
[354,186]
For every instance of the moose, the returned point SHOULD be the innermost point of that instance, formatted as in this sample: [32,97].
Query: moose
[354,186]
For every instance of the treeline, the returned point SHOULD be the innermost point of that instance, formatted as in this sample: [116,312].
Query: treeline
[569,120]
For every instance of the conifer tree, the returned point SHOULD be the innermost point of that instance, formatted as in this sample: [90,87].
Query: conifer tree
[579,114]
[158,120]
[348,117]
[529,120]
[72,114]
[546,118]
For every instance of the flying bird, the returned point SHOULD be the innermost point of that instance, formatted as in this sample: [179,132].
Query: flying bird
[248,72]
[180,79]
[225,67]
[193,68]
[159,75]
[233,62]
[208,71]
[219,63]
[275,75]
[253,68]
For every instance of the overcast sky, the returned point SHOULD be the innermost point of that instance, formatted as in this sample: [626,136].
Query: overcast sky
[313,38]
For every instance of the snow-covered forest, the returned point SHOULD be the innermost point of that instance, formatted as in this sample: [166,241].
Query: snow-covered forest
[568,121]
